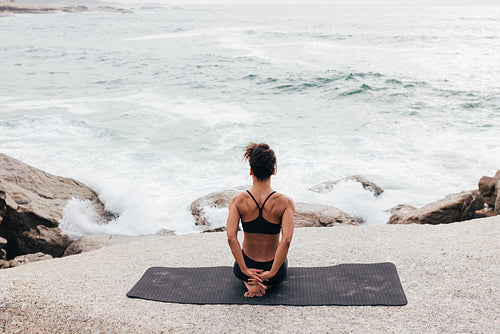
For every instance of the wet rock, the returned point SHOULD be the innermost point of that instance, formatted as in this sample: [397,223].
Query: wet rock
[48,239]
[399,212]
[74,9]
[330,185]
[31,206]
[485,212]
[220,199]
[453,208]
[305,214]
[23,259]
[114,9]
[3,253]
[489,189]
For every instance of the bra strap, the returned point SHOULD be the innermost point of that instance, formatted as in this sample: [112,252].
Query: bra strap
[249,193]
[260,207]
[267,199]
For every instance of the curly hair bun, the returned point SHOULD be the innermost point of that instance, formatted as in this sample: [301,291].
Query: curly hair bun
[262,160]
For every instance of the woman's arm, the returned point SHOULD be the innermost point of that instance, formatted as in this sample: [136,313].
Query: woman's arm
[233,220]
[287,226]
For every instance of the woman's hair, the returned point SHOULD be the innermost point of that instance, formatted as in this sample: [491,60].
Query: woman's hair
[262,160]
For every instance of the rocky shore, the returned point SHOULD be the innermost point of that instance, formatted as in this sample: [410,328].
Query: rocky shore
[7,8]
[449,271]
[32,204]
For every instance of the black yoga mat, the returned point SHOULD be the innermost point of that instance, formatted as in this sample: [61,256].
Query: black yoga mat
[344,284]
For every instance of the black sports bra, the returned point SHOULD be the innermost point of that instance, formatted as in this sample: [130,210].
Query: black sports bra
[259,224]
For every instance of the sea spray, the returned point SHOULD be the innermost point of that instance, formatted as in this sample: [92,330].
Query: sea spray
[151,124]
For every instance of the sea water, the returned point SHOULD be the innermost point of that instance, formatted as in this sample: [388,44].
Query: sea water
[153,109]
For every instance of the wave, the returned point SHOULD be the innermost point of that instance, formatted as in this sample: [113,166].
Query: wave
[195,33]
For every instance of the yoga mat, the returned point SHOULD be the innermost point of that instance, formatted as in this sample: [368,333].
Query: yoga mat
[344,284]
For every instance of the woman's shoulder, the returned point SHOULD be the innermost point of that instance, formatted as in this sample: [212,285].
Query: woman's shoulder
[239,197]
[283,201]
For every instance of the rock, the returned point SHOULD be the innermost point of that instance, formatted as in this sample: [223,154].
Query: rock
[3,253]
[4,264]
[113,9]
[217,229]
[305,214]
[496,210]
[74,9]
[48,239]
[21,8]
[165,232]
[453,208]
[96,241]
[23,259]
[489,189]
[485,212]
[219,199]
[32,225]
[399,212]
[367,185]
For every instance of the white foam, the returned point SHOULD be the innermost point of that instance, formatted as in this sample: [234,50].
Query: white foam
[216,216]
[192,33]
[199,111]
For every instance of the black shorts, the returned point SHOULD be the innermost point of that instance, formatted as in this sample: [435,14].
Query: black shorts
[266,266]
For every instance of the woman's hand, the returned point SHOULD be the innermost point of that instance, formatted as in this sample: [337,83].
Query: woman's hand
[265,275]
[254,278]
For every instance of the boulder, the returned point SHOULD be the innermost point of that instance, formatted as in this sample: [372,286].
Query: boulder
[31,206]
[26,258]
[453,208]
[399,212]
[4,264]
[305,214]
[3,253]
[367,185]
[220,199]
[96,241]
[496,210]
[489,189]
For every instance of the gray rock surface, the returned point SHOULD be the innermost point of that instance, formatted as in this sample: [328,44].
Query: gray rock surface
[449,273]
[453,208]
[31,206]
[367,185]
[306,215]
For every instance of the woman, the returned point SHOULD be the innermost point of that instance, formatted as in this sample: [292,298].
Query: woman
[261,262]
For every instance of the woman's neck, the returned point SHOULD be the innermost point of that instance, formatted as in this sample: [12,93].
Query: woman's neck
[261,186]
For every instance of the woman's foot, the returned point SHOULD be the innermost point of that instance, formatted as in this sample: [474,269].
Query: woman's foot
[254,290]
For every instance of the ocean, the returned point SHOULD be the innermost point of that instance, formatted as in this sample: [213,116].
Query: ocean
[153,109]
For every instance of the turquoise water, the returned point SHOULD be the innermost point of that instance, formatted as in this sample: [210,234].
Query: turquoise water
[153,109]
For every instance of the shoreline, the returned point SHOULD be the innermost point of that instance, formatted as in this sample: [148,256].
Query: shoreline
[449,273]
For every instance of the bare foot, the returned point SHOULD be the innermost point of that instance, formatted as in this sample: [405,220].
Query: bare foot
[254,290]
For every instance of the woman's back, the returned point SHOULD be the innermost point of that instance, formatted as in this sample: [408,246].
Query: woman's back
[261,220]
